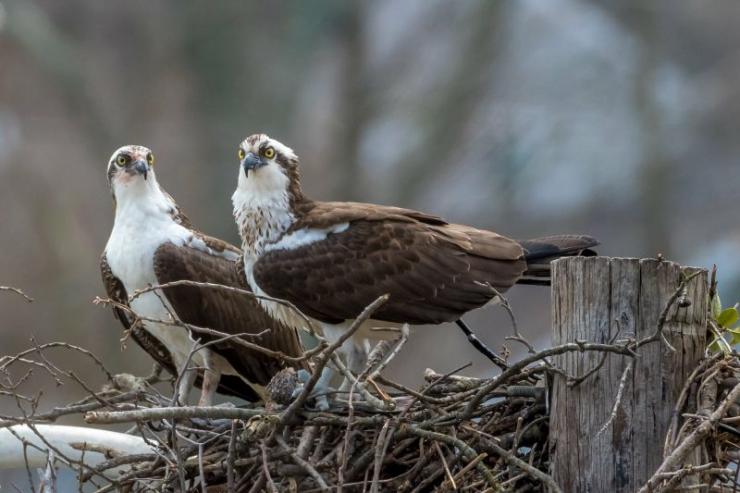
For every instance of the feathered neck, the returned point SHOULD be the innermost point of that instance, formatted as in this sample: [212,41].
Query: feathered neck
[142,196]
[266,204]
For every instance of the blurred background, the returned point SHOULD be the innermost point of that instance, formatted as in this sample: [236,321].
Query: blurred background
[613,118]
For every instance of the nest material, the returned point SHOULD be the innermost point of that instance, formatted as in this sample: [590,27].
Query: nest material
[453,434]
[432,439]
[446,436]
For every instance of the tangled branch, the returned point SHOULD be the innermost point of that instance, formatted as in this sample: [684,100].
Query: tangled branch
[454,432]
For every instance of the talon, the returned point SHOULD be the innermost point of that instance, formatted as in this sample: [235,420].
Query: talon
[322,387]
[322,403]
[303,376]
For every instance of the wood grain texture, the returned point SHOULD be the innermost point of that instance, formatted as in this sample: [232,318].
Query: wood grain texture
[595,298]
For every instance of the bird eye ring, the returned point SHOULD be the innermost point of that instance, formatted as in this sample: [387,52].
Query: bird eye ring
[121,160]
[241,153]
[269,153]
[150,159]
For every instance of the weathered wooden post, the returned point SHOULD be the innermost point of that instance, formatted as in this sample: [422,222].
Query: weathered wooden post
[599,299]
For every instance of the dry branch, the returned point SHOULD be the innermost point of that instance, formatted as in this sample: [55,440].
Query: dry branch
[472,434]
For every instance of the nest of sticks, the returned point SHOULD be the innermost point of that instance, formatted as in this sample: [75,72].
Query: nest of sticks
[453,433]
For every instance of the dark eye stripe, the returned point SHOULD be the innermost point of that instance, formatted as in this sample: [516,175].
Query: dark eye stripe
[111,172]
[282,160]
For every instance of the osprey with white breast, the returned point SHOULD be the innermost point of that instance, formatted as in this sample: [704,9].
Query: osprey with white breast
[153,243]
[332,259]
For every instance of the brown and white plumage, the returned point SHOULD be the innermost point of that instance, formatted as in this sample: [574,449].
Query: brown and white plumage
[332,259]
[229,384]
[152,243]
[433,271]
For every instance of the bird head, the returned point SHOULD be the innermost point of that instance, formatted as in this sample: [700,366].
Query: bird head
[131,167]
[266,165]
[131,175]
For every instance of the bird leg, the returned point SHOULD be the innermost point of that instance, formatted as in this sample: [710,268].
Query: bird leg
[320,390]
[355,352]
[211,378]
[482,348]
[187,379]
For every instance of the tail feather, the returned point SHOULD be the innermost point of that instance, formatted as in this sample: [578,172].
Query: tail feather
[539,252]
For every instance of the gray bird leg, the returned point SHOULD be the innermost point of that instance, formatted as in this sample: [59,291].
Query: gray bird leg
[354,351]
[186,383]
[211,378]
[320,391]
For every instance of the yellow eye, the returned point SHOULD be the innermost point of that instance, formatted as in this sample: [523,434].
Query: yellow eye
[150,159]
[269,153]
[121,160]
[242,154]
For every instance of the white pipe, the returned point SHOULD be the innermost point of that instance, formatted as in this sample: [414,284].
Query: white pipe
[68,440]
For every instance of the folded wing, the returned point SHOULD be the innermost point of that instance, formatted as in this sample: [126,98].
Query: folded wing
[224,311]
[229,384]
[433,271]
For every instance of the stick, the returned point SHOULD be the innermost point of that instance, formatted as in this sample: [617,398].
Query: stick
[17,291]
[691,442]
[478,344]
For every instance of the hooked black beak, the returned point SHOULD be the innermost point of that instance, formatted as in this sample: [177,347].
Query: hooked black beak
[141,167]
[252,161]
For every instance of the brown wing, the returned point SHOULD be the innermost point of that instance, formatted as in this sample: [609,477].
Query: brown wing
[229,385]
[433,271]
[326,214]
[224,311]
[117,292]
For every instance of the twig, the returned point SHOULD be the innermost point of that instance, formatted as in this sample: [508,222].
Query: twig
[230,457]
[266,469]
[221,287]
[373,372]
[515,368]
[203,484]
[658,334]
[176,412]
[691,441]
[468,452]
[380,451]
[446,467]
[491,447]
[17,291]
[480,346]
[675,477]
[673,426]
[618,400]
[6,361]
[238,338]
[305,465]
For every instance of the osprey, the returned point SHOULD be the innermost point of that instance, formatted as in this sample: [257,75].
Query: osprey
[332,259]
[153,243]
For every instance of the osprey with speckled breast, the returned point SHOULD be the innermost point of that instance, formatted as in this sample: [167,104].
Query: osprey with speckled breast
[153,243]
[332,259]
